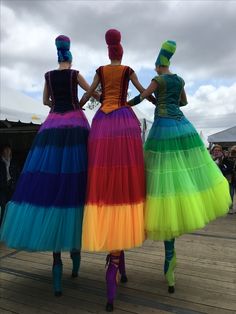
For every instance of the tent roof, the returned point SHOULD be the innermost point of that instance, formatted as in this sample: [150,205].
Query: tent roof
[226,136]
[18,107]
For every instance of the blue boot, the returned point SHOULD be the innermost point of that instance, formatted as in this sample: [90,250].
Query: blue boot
[57,274]
[76,258]
[170,264]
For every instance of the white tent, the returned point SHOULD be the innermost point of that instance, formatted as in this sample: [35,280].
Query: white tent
[225,138]
[17,107]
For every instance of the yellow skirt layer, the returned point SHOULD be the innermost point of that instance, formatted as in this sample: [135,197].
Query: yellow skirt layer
[107,227]
[168,217]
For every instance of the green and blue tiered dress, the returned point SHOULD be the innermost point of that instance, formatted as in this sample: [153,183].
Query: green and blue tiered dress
[185,189]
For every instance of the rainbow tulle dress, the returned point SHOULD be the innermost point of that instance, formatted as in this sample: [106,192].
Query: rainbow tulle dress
[114,211]
[46,211]
[185,188]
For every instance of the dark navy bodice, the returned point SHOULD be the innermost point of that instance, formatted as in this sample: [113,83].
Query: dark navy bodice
[62,86]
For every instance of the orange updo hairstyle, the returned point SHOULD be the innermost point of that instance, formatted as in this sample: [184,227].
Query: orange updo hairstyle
[115,50]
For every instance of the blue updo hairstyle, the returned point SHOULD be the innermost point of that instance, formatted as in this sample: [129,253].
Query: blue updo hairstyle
[63,48]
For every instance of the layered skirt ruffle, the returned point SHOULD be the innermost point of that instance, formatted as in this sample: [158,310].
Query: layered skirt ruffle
[185,188]
[114,211]
[46,211]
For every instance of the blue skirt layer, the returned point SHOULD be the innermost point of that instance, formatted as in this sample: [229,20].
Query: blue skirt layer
[46,210]
[34,228]
[47,189]
[167,128]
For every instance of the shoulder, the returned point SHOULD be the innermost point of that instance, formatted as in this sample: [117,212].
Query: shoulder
[158,79]
[181,80]
[46,75]
[74,73]
[74,70]
[99,70]
[128,69]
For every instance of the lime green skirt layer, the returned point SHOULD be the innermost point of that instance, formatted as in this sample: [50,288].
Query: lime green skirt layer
[185,188]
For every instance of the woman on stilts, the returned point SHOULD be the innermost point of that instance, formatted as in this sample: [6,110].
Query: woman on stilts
[46,210]
[114,211]
[185,189]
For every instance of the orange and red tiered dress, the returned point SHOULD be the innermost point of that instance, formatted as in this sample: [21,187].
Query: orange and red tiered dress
[114,211]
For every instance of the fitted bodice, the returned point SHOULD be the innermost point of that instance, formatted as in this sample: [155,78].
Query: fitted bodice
[168,93]
[62,87]
[114,83]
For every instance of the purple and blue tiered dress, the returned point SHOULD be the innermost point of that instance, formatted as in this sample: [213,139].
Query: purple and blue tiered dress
[46,210]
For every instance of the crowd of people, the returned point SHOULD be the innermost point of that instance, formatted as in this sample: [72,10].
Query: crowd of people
[97,189]
[9,173]
[226,161]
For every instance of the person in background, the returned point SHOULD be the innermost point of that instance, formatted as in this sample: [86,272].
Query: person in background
[226,165]
[232,158]
[9,173]
[217,154]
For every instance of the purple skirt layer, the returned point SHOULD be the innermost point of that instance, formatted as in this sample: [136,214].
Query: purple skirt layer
[65,120]
[124,117]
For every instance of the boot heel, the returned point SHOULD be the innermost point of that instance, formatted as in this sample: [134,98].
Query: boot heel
[76,258]
[122,270]
[111,279]
[57,276]
[170,264]
[109,307]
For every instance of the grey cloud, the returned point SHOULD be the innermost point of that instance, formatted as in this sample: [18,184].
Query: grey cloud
[219,121]
[204,31]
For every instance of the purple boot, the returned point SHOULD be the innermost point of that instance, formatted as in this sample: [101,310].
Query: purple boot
[111,280]
[122,271]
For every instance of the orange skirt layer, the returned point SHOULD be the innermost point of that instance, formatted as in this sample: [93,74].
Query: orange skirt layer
[113,227]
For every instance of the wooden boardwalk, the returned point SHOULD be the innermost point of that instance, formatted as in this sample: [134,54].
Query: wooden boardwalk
[205,274]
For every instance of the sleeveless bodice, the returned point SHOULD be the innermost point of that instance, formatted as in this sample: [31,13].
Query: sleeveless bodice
[114,82]
[168,94]
[62,86]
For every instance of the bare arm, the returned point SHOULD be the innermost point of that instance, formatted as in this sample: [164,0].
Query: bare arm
[183,99]
[145,94]
[46,97]
[140,88]
[136,83]
[82,82]
[90,91]
[151,88]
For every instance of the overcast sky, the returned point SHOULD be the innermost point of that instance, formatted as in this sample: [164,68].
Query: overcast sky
[204,32]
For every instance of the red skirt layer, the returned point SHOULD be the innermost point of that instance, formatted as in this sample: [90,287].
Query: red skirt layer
[113,217]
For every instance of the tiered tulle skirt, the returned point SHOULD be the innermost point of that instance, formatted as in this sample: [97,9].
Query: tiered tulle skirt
[185,188]
[114,216]
[46,211]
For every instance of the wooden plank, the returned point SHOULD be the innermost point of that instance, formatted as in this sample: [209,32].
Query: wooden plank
[205,275]
[71,297]
[84,280]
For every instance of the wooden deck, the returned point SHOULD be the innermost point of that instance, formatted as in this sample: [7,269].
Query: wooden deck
[205,274]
